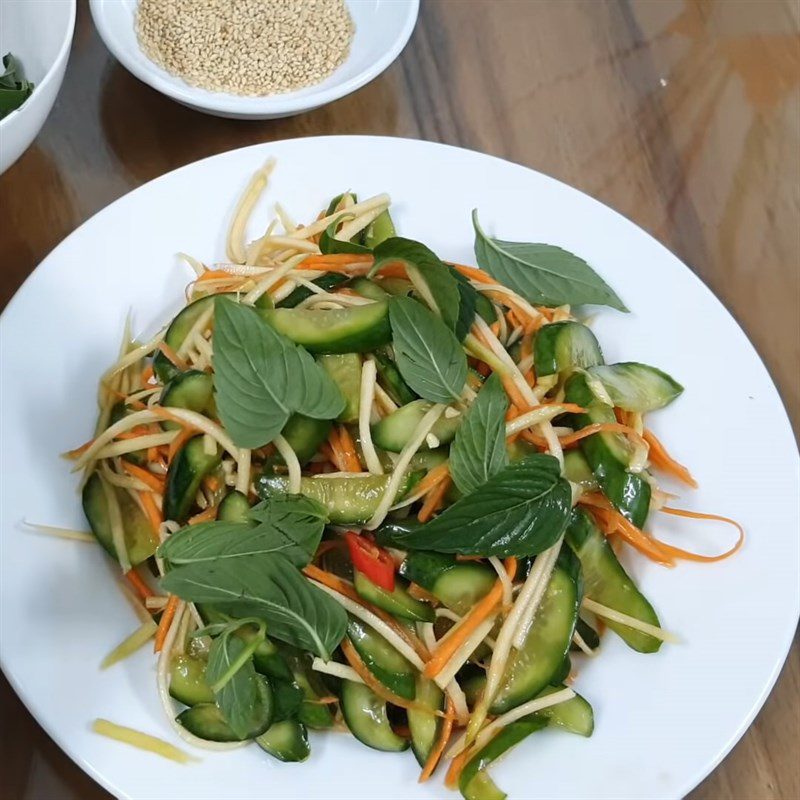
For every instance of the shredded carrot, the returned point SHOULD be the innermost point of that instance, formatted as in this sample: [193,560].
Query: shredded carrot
[178,442]
[211,482]
[215,274]
[473,273]
[396,269]
[337,457]
[209,515]
[134,433]
[598,427]
[660,458]
[323,701]
[140,587]
[434,500]
[337,262]
[147,375]
[145,476]
[530,378]
[437,474]
[352,461]
[513,392]
[479,612]
[78,451]
[356,662]
[165,621]
[495,328]
[454,773]
[436,753]
[677,552]
[151,510]
[172,356]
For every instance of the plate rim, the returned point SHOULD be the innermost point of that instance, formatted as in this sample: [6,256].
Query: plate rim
[782,648]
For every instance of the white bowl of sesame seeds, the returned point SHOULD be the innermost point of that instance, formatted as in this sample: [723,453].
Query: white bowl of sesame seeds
[255,59]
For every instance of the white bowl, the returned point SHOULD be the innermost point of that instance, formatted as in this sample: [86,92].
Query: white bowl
[382,28]
[39,34]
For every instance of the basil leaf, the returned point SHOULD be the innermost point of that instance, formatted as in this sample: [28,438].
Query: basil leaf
[520,511]
[267,586]
[479,449]
[261,377]
[288,524]
[427,353]
[469,304]
[328,243]
[422,264]
[542,273]
[239,699]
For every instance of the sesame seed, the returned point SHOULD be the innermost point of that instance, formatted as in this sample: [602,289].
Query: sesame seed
[246,47]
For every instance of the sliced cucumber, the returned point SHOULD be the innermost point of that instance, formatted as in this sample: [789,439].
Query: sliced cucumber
[563,347]
[208,722]
[394,431]
[637,387]
[345,370]
[187,681]
[583,629]
[328,281]
[120,411]
[577,470]
[390,379]
[457,584]
[234,507]
[185,474]
[286,740]
[141,540]
[608,454]
[383,661]
[379,230]
[267,659]
[562,673]
[574,715]
[606,582]
[349,500]
[541,656]
[305,435]
[425,728]
[474,782]
[312,713]
[428,459]
[367,288]
[397,287]
[365,715]
[357,329]
[473,687]
[191,389]
[398,602]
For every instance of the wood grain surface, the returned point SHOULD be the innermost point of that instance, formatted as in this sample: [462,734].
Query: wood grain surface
[684,115]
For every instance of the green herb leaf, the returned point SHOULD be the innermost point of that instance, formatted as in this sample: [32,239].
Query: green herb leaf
[261,377]
[479,449]
[267,586]
[239,698]
[428,355]
[328,243]
[520,511]
[469,304]
[542,273]
[424,266]
[288,524]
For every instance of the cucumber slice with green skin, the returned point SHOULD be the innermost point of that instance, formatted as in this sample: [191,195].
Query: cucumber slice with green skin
[120,411]
[577,470]
[234,507]
[184,476]
[345,370]
[208,722]
[312,713]
[390,379]
[191,389]
[349,500]
[425,728]
[141,540]
[356,329]
[608,454]
[473,687]
[428,459]
[398,602]
[394,431]
[457,584]
[541,657]
[474,782]
[328,281]
[574,715]
[562,673]
[637,387]
[365,715]
[267,659]
[305,435]
[585,630]
[187,681]
[367,288]
[379,230]
[606,582]
[382,660]
[286,740]
[563,347]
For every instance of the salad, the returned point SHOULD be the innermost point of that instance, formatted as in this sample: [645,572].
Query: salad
[354,486]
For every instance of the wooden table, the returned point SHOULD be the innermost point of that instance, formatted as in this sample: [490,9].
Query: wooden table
[684,116]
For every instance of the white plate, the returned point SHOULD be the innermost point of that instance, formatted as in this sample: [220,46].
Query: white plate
[382,28]
[662,721]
